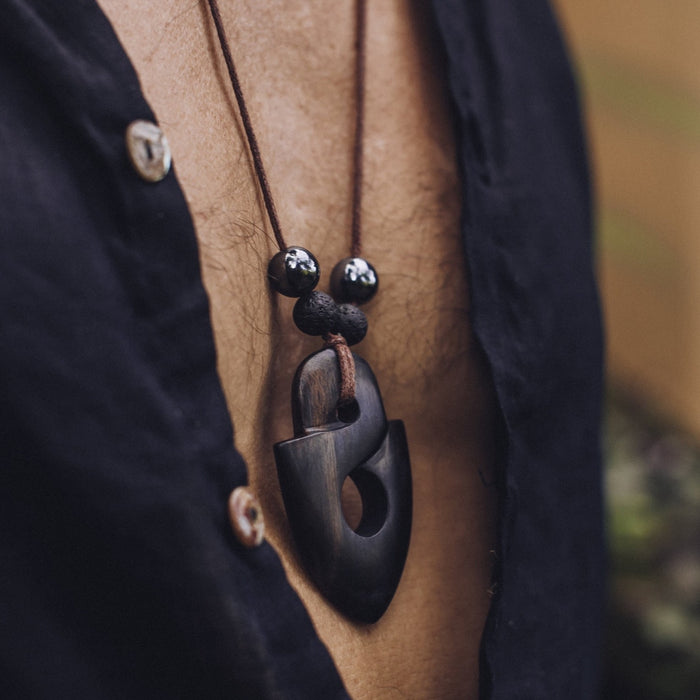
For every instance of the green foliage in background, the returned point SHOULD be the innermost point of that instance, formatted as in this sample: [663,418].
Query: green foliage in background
[653,491]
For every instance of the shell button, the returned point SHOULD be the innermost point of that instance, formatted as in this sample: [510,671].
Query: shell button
[246,517]
[148,149]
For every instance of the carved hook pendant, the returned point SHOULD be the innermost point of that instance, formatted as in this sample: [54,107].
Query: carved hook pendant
[356,570]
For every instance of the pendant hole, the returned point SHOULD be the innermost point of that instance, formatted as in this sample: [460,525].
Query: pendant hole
[364,502]
[349,412]
[351,504]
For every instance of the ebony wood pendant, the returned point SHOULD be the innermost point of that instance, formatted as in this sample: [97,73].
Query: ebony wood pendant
[356,570]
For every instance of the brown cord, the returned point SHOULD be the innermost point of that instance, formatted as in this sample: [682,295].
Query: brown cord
[360,52]
[346,364]
[247,126]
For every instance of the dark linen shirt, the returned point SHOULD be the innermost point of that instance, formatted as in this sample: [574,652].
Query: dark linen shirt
[119,574]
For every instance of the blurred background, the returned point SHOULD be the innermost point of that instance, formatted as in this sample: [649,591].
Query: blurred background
[638,64]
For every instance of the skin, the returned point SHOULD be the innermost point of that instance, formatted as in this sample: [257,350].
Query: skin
[297,73]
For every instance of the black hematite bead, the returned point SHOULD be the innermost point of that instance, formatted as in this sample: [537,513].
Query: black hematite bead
[315,313]
[355,280]
[351,323]
[293,272]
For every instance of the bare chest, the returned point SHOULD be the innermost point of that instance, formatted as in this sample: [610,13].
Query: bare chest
[296,68]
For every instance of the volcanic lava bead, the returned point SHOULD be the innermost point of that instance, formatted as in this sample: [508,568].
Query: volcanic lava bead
[293,272]
[354,280]
[315,313]
[351,323]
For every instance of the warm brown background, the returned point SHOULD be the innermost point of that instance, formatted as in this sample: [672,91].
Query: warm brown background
[638,63]
[639,67]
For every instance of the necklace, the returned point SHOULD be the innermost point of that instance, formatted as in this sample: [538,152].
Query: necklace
[340,428]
